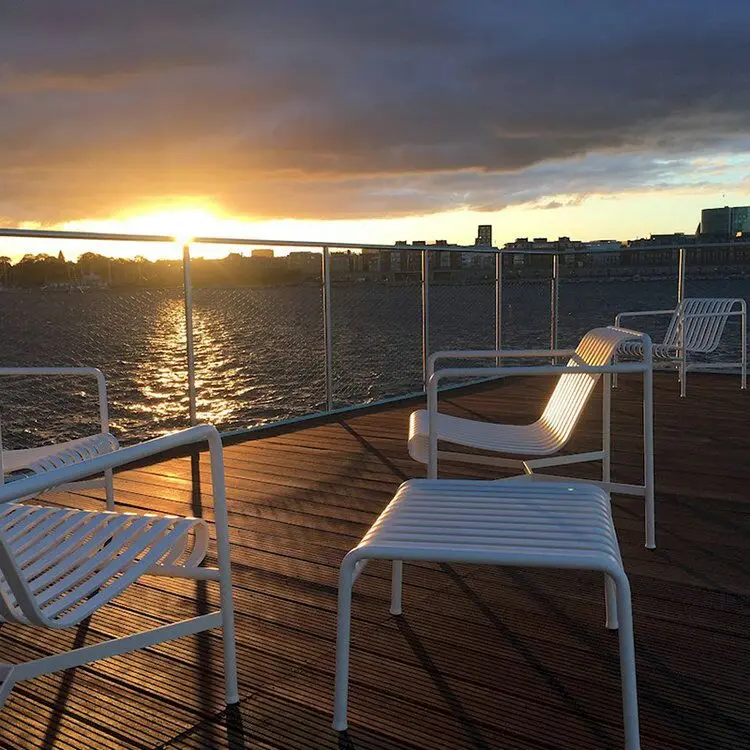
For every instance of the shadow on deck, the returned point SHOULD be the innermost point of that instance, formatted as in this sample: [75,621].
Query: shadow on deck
[483,658]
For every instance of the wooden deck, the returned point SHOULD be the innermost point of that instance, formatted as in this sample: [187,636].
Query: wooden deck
[483,658]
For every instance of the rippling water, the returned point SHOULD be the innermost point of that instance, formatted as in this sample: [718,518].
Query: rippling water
[260,352]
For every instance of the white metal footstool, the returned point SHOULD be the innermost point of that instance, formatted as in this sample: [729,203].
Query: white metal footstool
[508,522]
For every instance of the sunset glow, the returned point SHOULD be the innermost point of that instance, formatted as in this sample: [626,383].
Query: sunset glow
[320,136]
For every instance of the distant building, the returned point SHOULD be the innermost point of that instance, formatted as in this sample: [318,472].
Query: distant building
[604,252]
[262,252]
[484,236]
[724,223]
[304,261]
[342,263]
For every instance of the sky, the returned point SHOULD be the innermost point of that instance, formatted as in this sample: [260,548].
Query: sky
[372,120]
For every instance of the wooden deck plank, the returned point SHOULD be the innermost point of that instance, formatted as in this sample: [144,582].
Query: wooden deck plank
[484,658]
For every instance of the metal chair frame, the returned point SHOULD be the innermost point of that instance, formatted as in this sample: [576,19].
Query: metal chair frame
[696,327]
[548,454]
[58,566]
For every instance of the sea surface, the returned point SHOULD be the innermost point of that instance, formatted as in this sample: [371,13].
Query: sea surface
[260,351]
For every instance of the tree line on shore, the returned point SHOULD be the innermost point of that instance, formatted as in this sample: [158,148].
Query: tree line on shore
[94,270]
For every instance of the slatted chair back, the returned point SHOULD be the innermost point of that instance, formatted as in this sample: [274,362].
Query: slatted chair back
[572,392]
[702,334]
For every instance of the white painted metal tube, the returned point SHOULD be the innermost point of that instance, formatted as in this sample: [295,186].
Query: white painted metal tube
[496,354]
[648,442]
[31,669]
[327,325]
[607,427]
[343,638]
[223,553]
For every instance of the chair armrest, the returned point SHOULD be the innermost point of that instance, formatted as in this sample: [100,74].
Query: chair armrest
[75,472]
[94,372]
[470,372]
[495,354]
[641,314]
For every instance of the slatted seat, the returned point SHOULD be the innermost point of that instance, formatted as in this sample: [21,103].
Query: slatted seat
[696,327]
[60,565]
[539,444]
[74,561]
[511,523]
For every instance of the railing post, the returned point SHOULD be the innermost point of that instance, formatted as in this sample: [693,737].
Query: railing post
[498,302]
[425,315]
[188,296]
[554,301]
[681,276]
[327,326]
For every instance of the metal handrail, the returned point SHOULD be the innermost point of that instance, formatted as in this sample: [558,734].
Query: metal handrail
[325,247]
[250,241]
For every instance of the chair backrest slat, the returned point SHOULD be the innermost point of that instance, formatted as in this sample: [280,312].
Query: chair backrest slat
[16,598]
[703,334]
[572,392]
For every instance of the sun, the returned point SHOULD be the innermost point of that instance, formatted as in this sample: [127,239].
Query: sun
[181,222]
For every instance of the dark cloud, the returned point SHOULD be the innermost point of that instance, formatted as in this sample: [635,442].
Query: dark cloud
[365,108]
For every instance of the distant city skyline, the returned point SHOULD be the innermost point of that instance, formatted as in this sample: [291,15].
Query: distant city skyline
[650,213]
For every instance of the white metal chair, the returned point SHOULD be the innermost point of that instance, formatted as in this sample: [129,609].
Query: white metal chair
[539,445]
[696,327]
[506,522]
[47,457]
[60,565]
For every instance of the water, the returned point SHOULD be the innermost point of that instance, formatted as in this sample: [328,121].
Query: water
[260,351]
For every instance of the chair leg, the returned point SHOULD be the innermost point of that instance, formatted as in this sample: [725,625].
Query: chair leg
[343,636]
[610,602]
[683,378]
[607,427]
[397,578]
[109,489]
[228,636]
[648,458]
[6,681]
[627,666]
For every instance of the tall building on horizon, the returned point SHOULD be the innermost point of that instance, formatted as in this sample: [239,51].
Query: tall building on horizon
[484,236]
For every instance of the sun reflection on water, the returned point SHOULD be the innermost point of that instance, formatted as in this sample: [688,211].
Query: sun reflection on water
[161,376]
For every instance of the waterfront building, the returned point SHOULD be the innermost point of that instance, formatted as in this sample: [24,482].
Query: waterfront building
[305,261]
[603,253]
[725,223]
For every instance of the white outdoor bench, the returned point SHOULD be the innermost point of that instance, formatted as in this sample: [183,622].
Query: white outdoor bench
[512,522]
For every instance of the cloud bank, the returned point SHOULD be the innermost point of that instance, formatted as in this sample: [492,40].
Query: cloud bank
[371,108]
